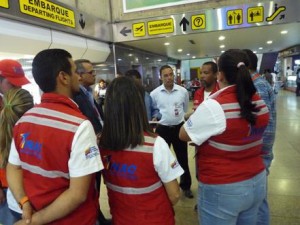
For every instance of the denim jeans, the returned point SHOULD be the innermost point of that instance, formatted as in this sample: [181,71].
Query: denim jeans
[231,204]
[6,217]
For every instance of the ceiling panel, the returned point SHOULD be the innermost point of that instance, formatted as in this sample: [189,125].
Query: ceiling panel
[208,45]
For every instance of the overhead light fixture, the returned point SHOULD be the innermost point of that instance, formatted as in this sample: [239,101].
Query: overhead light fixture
[254,52]
[284,32]
[179,50]
[194,57]
[159,60]
[147,57]
[260,48]
[222,46]
[167,43]
[222,51]
[269,42]
[119,59]
[221,38]
[188,54]
[129,54]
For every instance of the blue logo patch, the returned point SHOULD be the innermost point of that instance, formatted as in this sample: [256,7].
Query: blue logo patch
[30,147]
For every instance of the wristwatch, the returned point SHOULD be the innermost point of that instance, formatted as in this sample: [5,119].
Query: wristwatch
[23,201]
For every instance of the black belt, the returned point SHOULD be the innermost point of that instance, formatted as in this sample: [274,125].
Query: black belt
[171,126]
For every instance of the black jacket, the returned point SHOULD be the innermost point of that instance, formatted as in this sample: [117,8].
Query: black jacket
[88,110]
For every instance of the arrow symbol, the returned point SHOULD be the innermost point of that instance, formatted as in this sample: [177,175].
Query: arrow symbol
[81,21]
[282,17]
[184,22]
[124,31]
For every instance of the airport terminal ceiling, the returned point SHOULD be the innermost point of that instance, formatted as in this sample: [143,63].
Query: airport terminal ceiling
[203,45]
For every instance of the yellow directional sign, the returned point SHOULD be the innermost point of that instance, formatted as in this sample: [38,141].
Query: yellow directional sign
[4,4]
[160,26]
[139,29]
[198,22]
[48,11]
[255,14]
[234,17]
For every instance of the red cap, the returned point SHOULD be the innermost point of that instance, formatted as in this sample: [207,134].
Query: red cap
[12,70]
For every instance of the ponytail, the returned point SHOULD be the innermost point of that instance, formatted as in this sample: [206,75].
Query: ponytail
[233,63]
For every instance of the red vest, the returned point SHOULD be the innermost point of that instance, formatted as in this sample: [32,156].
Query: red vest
[199,95]
[136,194]
[234,155]
[43,138]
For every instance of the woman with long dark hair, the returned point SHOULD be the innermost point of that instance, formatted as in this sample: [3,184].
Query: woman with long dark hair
[140,171]
[228,130]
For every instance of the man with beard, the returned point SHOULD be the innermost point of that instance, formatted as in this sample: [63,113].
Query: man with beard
[209,84]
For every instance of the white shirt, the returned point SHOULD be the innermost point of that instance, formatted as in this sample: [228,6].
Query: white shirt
[79,165]
[208,120]
[165,164]
[172,105]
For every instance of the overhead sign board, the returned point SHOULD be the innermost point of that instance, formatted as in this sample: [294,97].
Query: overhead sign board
[4,4]
[198,22]
[48,11]
[139,29]
[160,26]
[58,16]
[234,17]
[206,20]
[255,14]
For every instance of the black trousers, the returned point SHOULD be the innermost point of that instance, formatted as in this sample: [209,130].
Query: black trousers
[171,136]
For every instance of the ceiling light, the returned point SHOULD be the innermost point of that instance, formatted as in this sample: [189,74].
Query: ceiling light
[222,51]
[222,46]
[284,32]
[159,60]
[269,42]
[260,48]
[188,54]
[129,54]
[194,57]
[254,52]
[167,43]
[119,59]
[179,50]
[221,38]
[147,57]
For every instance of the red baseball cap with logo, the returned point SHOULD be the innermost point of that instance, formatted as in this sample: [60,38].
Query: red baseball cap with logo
[12,70]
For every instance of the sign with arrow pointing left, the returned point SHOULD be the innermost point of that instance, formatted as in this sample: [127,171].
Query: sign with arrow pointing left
[124,32]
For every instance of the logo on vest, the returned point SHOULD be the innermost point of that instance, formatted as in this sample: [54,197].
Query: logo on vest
[255,132]
[30,147]
[91,152]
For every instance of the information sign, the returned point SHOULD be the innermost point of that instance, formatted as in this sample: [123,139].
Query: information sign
[48,11]
[139,29]
[234,17]
[160,26]
[4,4]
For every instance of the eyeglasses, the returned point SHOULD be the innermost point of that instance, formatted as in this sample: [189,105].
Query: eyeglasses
[92,72]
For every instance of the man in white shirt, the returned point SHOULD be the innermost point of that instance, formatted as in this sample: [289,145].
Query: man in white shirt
[172,101]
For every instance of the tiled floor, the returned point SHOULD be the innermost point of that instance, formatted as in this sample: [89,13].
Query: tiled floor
[284,179]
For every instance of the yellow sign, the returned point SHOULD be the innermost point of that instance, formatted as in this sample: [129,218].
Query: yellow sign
[139,29]
[48,11]
[160,27]
[4,4]
[198,22]
[255,14]
[234,17]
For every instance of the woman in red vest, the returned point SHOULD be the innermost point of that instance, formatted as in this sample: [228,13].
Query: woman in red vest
[227,129]
[140,171]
